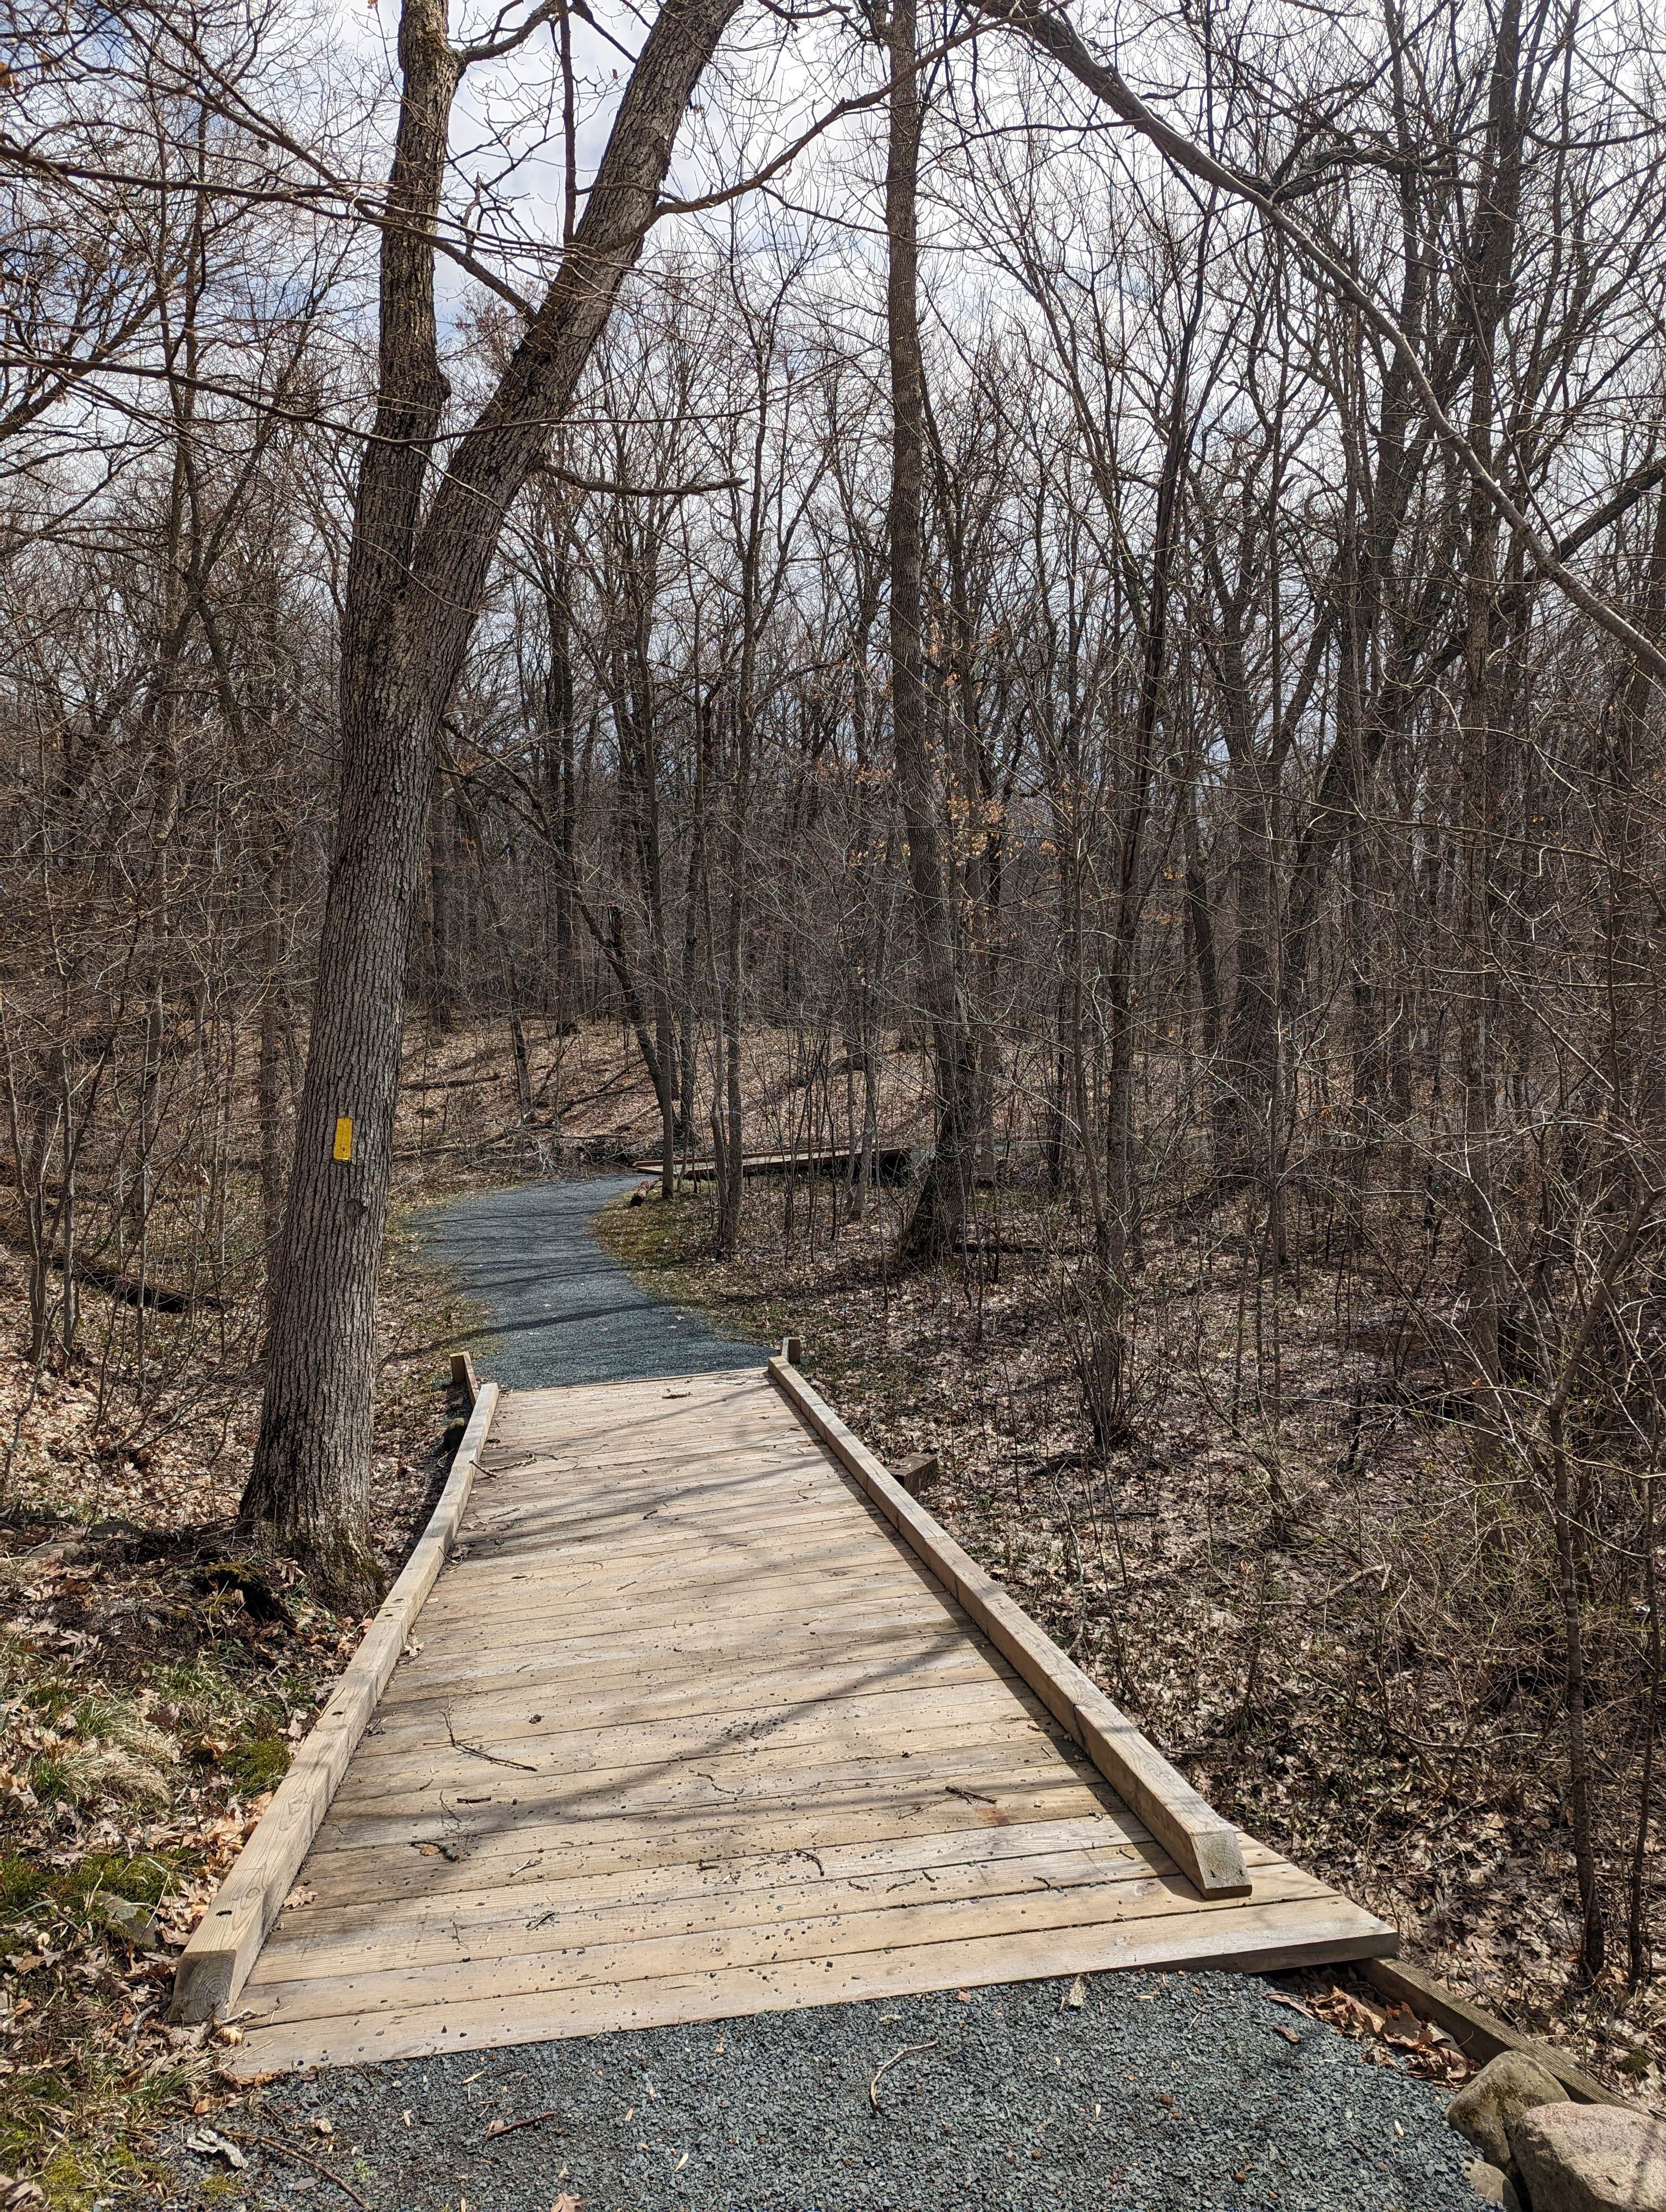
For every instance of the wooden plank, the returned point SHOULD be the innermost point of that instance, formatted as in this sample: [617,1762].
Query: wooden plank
[691,1451]
[411,1775]
[576,1736]
[644,1696]
[553,1538]
[882,1646]
[760,1823]
[1261,1938]
[390,1978]
[907,1594]
[586,1572]
[306,1945]
[342,1867]
[771,1885]
[944,1760]
[1200,1840]
[214,1964]
[685,1555]
[822,1159]
[845,1621]
[632,1904]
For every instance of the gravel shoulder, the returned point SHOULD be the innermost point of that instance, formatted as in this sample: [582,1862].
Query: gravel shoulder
[1144,2092]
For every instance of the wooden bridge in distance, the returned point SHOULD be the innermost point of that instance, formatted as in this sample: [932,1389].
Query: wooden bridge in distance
[706,1716]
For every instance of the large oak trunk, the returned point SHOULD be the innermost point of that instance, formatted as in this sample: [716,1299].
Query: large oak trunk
[415,584]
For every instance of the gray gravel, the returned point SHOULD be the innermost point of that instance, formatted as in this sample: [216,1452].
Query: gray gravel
[1161,2092]
[562,1311]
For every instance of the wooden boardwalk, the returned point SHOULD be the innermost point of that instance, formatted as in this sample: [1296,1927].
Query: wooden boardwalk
[891,1156]
[685,1731]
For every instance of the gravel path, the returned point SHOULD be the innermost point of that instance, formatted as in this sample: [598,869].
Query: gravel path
[562,1311]
[1156,2093]
[1169,2093]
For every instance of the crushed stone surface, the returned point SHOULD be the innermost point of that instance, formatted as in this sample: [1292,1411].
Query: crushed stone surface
[1160,2092]
[562,1310]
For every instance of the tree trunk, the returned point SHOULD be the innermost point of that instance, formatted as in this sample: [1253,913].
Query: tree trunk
[414,589]
[937,1226]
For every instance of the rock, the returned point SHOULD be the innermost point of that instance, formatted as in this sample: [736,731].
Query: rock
[131,1922]
[1590,2158]
[1491,2183]
[1510,2084]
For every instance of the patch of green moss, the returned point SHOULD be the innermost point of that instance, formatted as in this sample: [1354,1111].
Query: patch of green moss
[22,1883]
[144,1879]
[78,2178]
[260,1764]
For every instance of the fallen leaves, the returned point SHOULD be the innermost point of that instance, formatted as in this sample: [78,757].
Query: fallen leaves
[1425,2049]
[209,2143]
[155,1676]
[1316,1679]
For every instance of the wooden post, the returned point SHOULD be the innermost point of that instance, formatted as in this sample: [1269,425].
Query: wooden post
[462,1374]
[1204,1846]
[917,1471]
[792,1350]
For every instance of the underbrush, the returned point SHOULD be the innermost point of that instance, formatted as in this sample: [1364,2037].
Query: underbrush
[155,1677]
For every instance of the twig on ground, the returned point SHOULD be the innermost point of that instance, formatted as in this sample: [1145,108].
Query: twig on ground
[512,2127]
[288,2150]
[907,2051]
[477,1750]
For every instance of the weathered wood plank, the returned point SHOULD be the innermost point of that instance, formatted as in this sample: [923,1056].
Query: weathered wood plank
[382,1975]
[693,1725]
[770,1886]
[1263,1937]
[227,1940]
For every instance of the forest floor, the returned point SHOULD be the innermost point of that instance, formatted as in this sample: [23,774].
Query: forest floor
[155,1674]
[1270,1571]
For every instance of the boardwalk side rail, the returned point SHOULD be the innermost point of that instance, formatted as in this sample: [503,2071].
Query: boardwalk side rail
[1203,1845]
[215,1963]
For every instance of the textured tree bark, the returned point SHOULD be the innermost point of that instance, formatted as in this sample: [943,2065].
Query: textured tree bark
[269,1074]
[560,767]
[415,587]
[1481,741]
[937,1226]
